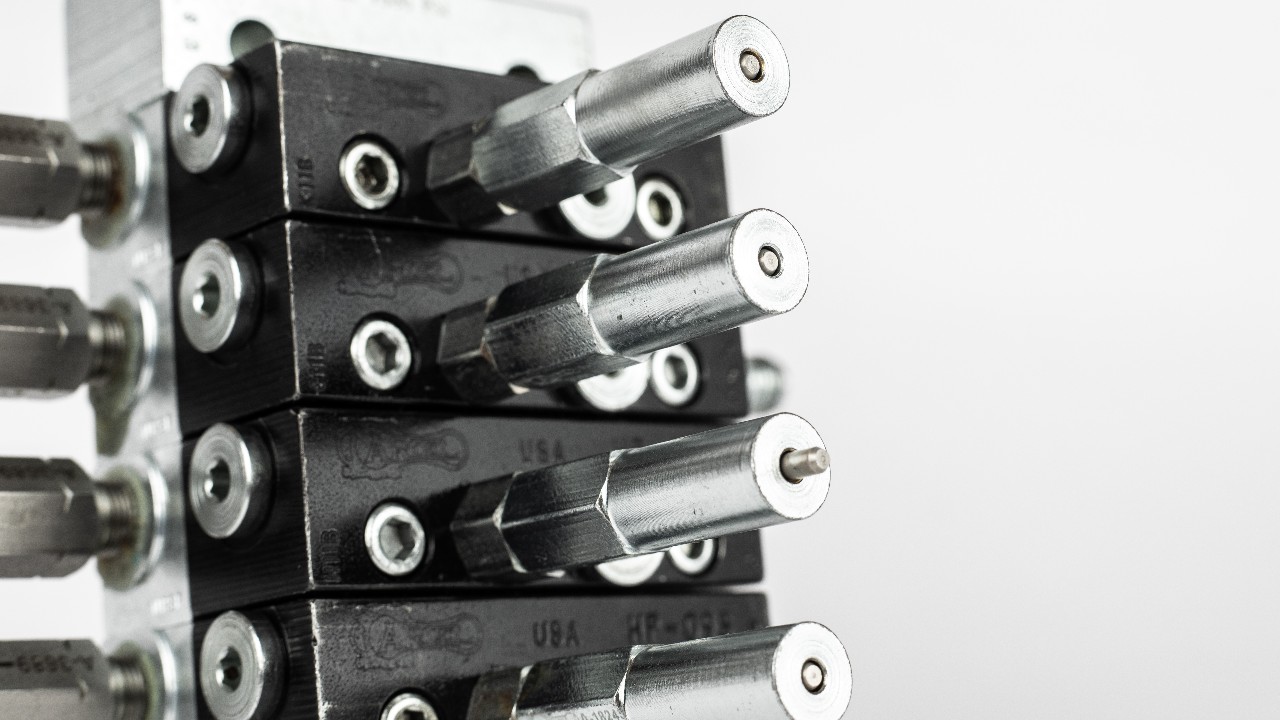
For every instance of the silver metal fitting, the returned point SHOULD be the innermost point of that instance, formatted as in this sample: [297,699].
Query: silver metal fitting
[604,213]
[581,134]
[242,668]
[381,353]
[56,518]
[603,314]
[765,385]
[676,376]
[396,540]
[791,672]
[630,571]
[218,296]
[659,208]
[70,680]
[51,344]
[370,174]
[694,559]
[47,174]
[615,391]
[229,482]
[210,119]
[638,501]
[409,706]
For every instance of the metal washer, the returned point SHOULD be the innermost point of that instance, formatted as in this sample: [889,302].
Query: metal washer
[251,649]
[615,391]
[244,471]
[678,391]
[603,214]
[218,296]
[209,119]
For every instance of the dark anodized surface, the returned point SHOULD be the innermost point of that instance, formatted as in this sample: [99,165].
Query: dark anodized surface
[333,468]
[321,281]
[347,658]
[310,102]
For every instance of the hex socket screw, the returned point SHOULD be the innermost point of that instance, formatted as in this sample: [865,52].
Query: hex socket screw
[395,539]
[210,119]
[242,667]
[218,296]
[229,482]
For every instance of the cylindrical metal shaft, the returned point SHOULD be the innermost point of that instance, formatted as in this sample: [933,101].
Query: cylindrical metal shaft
[69,680]
[642,500]
[585,132]
[605,313]
[792,672]
[51,344]
[46,174]
[53,518]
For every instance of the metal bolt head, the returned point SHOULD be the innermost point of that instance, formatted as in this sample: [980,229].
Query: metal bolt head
[370,174]
[615,391]
[396,540]
[381,353]
[218,296]
[604,213]
[241,668]
[630,571]
[409,706]
[659,208]
[675,375]
[694,559]
[209,120]
[229,482]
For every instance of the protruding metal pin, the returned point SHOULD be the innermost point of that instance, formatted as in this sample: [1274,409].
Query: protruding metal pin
[800,464]
[752,65]
[770,260]
[814,676]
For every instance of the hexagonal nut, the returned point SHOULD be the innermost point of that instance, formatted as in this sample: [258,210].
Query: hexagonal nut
[476,531]
[592,685]
[540,332]
[49,524]
[45,336]
[527,156]
[463,360]
[40,167]
[453,186]
[66,679]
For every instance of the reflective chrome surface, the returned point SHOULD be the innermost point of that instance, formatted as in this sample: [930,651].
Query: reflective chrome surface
[603,314]
[792,672]
[639,501]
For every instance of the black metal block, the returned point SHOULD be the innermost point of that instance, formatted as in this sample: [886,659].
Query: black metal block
[347,658]
[310,102]
[320,281]
[332,469]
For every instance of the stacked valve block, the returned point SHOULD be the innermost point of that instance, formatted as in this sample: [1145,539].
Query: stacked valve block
[418,387]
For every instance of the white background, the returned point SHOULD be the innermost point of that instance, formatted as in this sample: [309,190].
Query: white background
[1041,340]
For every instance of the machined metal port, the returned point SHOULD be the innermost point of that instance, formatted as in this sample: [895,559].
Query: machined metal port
[608,312]
[579,135]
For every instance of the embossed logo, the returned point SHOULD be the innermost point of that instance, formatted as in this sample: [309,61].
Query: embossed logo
[439,271]
[391,642]
[385,457]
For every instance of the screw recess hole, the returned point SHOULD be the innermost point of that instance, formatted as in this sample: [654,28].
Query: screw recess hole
[217,481]
[383,353]
[207,297]
[399,540]
[230,670]
[196,120]
[372,174]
